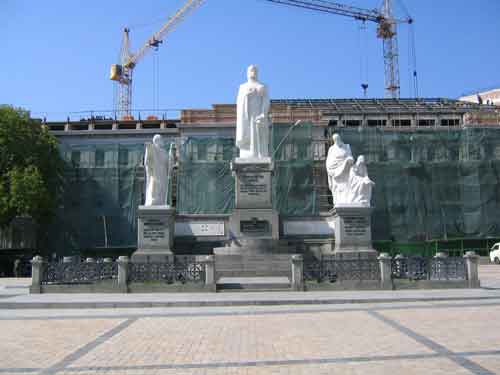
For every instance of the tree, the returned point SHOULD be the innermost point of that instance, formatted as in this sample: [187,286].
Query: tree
[30,168]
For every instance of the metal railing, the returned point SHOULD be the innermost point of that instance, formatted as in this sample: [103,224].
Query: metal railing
[424,268]
[330,269]
[182,270]
[79,272]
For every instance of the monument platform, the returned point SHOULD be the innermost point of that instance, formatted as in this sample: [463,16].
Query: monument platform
[353,235]
[155,234]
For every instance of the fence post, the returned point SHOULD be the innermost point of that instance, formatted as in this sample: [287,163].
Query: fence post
[298,272]
[385,260]
[123,263]
[37,265]
[210,280]
[471,264]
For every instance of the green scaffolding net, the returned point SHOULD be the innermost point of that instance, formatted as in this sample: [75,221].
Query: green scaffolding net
[432,184]
[104,185]
[205,184]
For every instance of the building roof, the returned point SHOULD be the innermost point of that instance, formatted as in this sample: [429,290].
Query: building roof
[381,106]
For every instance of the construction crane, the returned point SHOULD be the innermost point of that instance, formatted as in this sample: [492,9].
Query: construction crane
[122,73]
[386,30]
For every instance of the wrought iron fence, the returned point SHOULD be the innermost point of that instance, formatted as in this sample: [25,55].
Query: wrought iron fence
[425,268]
[183,270]
[336,269]
[79,272]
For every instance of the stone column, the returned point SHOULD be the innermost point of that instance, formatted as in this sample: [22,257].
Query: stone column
[37,268]
[123,263]
[210,277]
[385,271]
[471,265]
[298,272]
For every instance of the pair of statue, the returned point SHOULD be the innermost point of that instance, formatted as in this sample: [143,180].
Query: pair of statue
[348,181]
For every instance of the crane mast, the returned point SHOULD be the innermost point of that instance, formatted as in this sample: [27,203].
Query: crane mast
[387,31]
[122,72]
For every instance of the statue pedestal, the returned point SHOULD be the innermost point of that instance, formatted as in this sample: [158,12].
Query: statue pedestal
[155,234]
[353,235]
[254,224]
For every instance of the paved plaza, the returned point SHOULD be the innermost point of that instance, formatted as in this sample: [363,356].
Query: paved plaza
[433,337]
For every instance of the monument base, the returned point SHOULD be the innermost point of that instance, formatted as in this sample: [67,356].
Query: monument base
[353,236]
[155,234]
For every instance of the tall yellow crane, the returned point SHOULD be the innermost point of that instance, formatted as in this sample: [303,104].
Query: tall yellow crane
[122,73]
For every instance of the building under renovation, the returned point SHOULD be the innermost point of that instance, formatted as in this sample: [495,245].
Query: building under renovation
[435,162]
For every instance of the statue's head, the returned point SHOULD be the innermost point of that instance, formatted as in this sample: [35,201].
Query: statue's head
[361,166]
[158,141]
[253,72]
[337,140]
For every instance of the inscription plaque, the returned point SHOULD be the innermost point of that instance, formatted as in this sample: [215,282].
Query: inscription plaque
[253,190]
[355,225]
[199,229]
[254,226]
[154,230]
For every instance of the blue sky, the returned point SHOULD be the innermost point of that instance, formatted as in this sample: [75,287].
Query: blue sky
[56,54]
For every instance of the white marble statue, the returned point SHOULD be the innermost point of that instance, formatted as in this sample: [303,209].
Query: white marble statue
[338,166]
[360,185]
[348,181]
[252,124]
[156,163]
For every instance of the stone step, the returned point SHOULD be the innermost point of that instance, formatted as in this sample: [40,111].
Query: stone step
[253,284]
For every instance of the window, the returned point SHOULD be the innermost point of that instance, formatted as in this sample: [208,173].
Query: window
[405,122]
[426,122]
[227,151]
[450,122]
[123,157]
[75,158]
[352,123]
[99,158]
[202,151]
[373,122]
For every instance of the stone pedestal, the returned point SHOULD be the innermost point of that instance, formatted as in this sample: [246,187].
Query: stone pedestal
[353,235]
[155,234]
[254,224]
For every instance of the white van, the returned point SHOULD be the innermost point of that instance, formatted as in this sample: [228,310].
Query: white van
[495,253]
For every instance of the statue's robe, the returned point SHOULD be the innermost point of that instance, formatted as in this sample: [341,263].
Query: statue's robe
[252,125]
[338,163]
[156,165]
[360,185]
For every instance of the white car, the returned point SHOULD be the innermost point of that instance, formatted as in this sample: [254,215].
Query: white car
[495,253]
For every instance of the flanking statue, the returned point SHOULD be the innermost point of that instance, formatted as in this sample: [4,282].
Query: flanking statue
[157,163]
[360,185]
[348,181]
[252,124]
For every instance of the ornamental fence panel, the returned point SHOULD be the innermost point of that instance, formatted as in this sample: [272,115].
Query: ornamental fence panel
[425,268]
[182,269]
[329,269]
[79,272]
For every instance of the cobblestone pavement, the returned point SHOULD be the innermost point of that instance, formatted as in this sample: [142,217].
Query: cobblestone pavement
[459,337]
[448,337]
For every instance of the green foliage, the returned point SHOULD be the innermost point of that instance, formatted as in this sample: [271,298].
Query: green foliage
[30,168]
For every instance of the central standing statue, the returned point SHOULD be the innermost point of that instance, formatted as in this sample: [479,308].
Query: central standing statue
[252,124]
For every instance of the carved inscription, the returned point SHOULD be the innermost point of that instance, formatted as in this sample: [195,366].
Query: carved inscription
[355,225]
[154,230]
[253,184]
[254,226]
